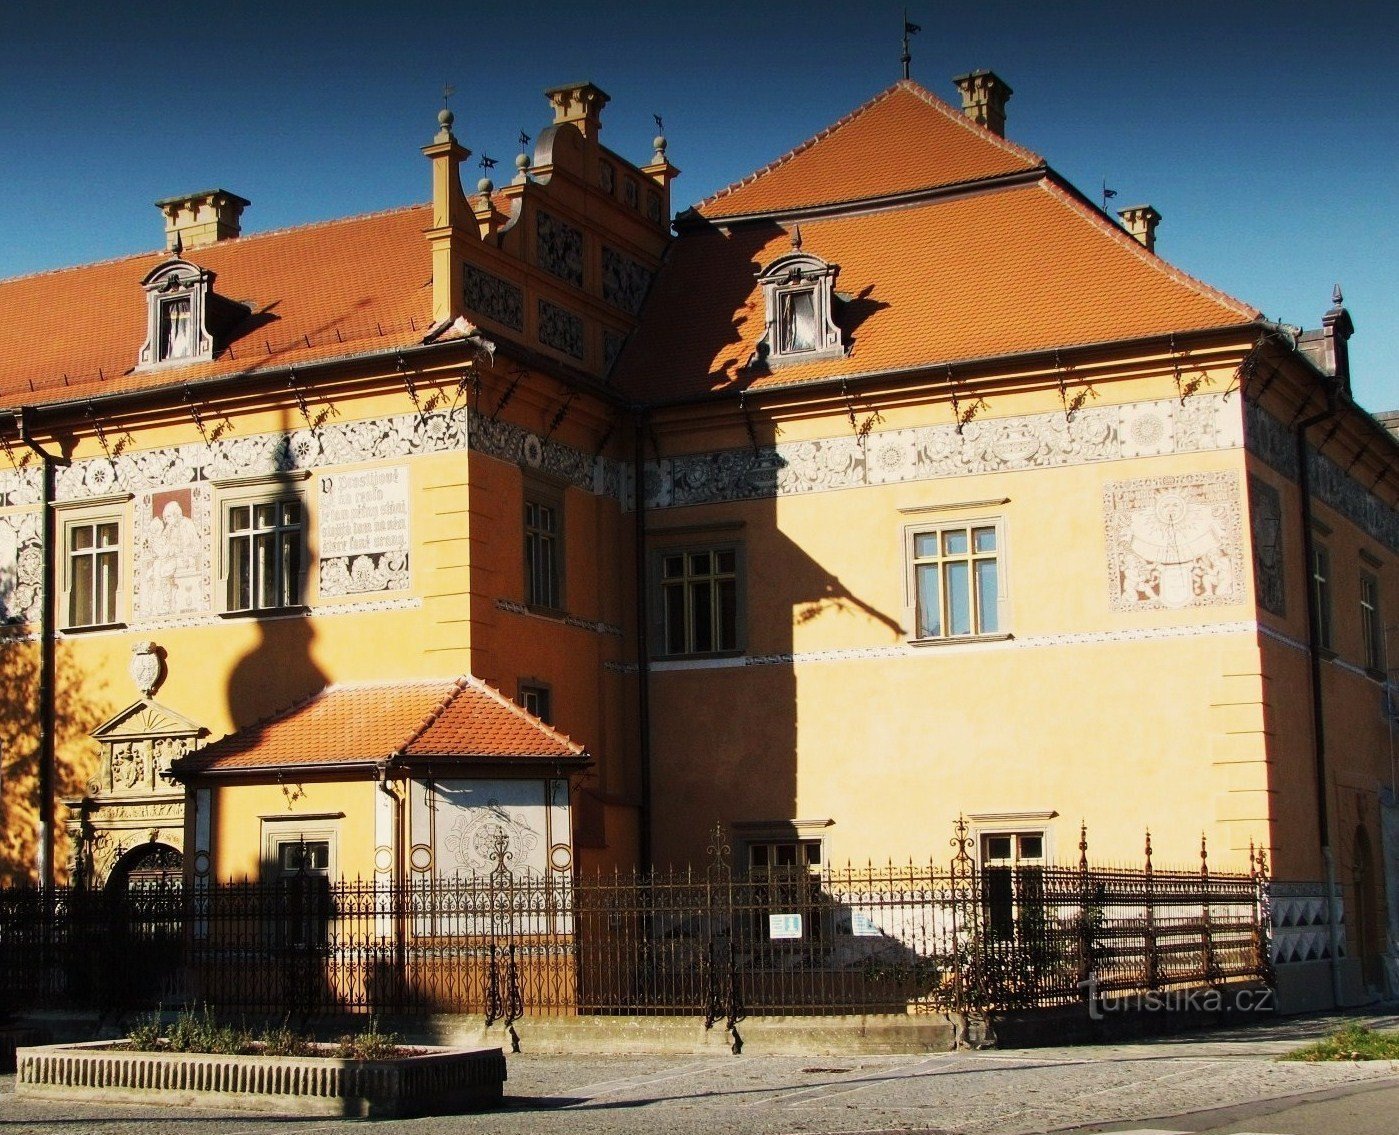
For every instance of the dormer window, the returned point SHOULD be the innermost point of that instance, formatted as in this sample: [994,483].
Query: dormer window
[176,331]
[177,299]
[798,291]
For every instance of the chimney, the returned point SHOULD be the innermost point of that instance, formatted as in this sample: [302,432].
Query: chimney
[198,219]
[1141,222]
[984,95]
[580,104]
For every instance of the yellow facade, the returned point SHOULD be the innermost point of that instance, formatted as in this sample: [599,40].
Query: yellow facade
[1135,661]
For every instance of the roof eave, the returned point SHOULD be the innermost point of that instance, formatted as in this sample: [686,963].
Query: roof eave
[1044,355]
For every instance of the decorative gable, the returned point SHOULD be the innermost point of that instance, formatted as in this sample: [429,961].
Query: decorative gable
[138,746]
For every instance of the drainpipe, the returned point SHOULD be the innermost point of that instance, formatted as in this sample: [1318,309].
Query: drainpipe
[643,667]
[47,657]
[1323,819]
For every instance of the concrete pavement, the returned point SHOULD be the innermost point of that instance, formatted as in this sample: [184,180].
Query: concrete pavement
[1176,1084]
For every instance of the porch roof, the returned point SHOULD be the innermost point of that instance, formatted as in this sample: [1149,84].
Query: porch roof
[357,723]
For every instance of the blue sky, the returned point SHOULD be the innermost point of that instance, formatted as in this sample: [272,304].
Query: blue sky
[1266,134]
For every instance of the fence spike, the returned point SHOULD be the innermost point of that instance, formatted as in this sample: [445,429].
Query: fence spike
[1083,845]
[1148,851]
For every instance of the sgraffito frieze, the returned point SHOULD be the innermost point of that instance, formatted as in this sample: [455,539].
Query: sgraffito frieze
[495,298]
[560,329]
[1270,440]
[1265,528]
[21,568]
[992,445]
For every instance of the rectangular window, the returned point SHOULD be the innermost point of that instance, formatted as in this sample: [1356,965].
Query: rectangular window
[1371,624]
[1012,883]
[1321,596]
[956,581]
[263,542]
[699,597]
[543,559]
[798,320]
[785,876]
[535,700]
[94,566]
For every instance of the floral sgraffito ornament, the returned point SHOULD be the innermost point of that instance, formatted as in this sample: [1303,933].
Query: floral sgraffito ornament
[1173,542]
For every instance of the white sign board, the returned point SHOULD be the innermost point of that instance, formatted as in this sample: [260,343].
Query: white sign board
[364,512]
[784,926]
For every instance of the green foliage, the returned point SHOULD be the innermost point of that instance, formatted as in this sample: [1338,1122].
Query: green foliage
[370,1044]
[1354,1042]
[195,1030]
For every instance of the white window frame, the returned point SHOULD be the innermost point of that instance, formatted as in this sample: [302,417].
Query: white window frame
[92,512]
[537,699]
[317,828]
[912,561]
[250,493]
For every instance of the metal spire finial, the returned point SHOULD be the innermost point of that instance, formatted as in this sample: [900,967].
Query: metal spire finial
[909,29]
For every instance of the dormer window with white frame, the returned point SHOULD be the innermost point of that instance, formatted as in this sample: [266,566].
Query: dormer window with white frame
[177,295]
[798,297]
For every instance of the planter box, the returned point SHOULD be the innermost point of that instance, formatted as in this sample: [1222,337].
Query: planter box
[437,1081]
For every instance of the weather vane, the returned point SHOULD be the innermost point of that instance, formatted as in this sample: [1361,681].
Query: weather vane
[1108,194]
[487,163]
[447,92]
[909,29]
[660,126]
[524,139]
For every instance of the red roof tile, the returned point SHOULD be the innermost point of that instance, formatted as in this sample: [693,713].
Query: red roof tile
[346,287]
[1017,269]
[363,722]
[902,140]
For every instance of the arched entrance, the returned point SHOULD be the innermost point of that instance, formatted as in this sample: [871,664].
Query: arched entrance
[1369,940]
[146,867]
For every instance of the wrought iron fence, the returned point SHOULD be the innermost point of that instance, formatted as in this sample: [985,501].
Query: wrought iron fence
[711,942]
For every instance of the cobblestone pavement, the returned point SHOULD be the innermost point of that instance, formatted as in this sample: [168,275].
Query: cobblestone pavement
[969,1093]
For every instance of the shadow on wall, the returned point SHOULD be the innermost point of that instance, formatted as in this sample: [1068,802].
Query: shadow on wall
[278,670]
[737,765]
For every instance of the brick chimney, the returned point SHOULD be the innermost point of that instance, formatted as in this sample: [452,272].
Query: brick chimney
[580,104]
[984,97]
[1141,222]
[198,219]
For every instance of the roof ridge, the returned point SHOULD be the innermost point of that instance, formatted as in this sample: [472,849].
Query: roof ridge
[167,253]
[933,101]
[434,714]
[783,159]
[942,105]
[1071,200]
[519,711]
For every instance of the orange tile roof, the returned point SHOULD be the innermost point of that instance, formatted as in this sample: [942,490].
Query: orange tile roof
[364,722]
[902,140]
[345,287]
[1018,269]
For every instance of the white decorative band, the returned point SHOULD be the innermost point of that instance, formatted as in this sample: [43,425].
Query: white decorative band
[907,650]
